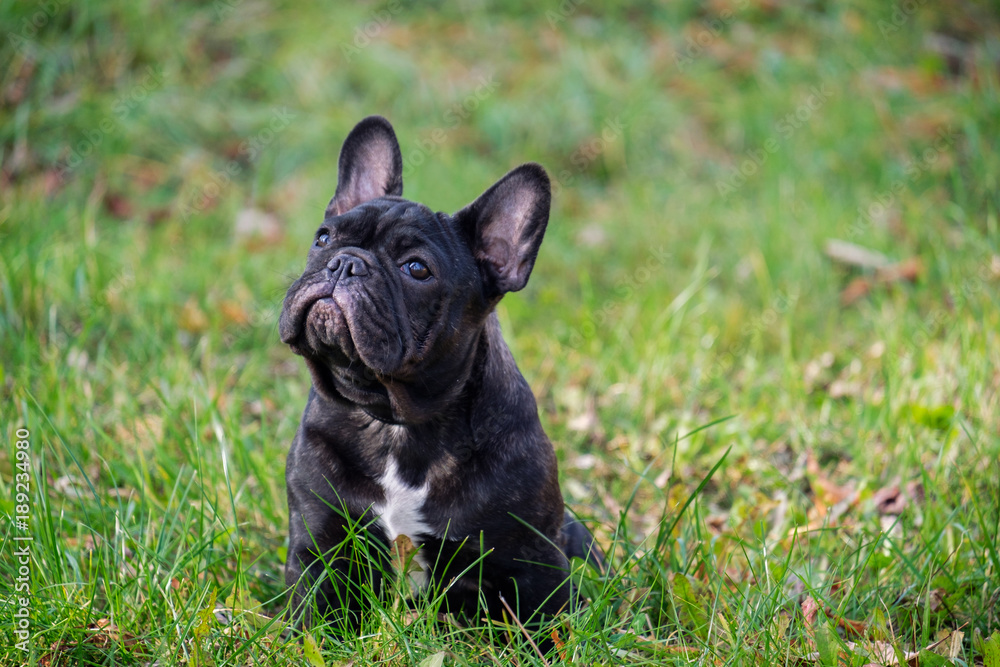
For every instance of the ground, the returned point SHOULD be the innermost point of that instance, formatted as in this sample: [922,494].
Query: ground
[763,328]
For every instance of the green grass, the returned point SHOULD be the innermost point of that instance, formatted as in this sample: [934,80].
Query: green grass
[138,341]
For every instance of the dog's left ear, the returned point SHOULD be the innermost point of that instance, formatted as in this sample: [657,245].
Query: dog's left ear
[505,226]
[370,166]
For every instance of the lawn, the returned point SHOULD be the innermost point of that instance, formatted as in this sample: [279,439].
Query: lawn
[763,328]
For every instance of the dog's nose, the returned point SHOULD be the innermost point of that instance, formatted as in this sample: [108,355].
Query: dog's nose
[345,266]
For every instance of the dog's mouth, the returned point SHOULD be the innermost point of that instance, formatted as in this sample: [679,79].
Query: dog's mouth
[327,332]
[298,305]
[314,324]
[355,382]
[316,327]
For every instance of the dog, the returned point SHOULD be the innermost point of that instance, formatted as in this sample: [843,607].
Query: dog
[418,422]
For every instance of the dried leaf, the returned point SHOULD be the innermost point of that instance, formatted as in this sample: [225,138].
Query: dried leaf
[192,319]
[856,289]
[889,500]
[809,610]
[948,644]
[118,205]
[233,312]
[907,270]
[855,255]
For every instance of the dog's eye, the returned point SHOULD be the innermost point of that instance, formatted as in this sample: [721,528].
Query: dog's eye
[322,240]
[416,269]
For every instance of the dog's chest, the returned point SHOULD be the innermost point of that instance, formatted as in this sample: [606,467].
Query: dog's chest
[402,511]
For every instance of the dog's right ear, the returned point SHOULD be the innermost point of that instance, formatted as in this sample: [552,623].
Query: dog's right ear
[371,166]
[505,226]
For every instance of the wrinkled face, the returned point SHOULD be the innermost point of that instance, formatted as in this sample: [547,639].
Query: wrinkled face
[390,296]
[394,297]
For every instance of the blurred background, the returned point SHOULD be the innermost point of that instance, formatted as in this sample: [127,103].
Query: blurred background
[783,212]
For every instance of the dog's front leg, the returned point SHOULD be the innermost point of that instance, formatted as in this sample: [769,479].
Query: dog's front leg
[336,562]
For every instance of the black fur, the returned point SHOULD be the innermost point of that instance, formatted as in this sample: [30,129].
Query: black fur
[413,372]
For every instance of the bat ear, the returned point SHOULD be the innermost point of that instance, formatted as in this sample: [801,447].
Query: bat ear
[505,226]
[371,166]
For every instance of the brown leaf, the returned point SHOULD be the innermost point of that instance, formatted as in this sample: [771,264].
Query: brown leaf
[889,500]
[852,627]
[192,319]
[233,312]
[158,215]
[51,181]
[118,205]
[856,289]
[948,644]
[881,652]
[909,270]
[809,610]
[912,80]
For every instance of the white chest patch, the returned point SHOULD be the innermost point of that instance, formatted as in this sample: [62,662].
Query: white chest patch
[401,513]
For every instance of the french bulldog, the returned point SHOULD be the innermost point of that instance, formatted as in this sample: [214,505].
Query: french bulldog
[418,422]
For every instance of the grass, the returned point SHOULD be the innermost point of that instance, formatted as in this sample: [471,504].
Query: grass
[702,159]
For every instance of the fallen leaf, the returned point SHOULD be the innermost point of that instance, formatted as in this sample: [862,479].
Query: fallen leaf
[913,80]
[233,312]
[809,610]
[855,255]
[907,270]
[948,644]
[118,205]
[889,500]
[855,290]
[192,318]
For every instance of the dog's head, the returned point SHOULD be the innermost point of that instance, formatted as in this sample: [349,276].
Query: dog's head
[394,296]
